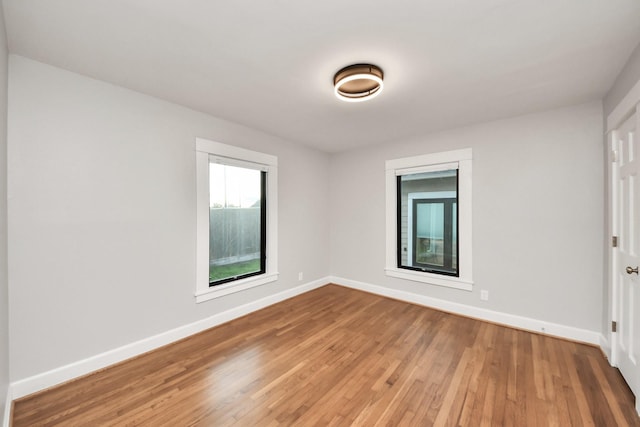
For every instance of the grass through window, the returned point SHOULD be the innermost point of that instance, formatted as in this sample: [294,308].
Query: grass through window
[219,272]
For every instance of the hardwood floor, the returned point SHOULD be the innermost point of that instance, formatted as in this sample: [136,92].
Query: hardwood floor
[336,356]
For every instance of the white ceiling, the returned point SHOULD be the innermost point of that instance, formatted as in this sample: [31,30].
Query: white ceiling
[269,64]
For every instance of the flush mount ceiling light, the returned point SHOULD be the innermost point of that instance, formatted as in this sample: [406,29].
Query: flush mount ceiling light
[358,82]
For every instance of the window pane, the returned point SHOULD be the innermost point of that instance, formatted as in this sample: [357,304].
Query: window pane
[427,222]
[236,222]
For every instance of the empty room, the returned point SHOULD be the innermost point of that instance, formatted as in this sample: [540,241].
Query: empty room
[263,213]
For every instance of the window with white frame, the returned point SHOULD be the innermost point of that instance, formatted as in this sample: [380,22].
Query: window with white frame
[428,218]
[236,219]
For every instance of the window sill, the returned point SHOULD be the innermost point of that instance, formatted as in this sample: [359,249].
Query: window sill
[432,279]
[237,286]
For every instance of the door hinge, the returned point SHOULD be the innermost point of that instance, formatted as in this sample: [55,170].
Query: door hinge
[614,156]
[614,241]
[614,326]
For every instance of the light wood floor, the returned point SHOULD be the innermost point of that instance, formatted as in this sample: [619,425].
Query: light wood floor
[336,356]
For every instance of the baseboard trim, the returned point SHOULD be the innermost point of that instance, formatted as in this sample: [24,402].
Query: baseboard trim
[77,369]
[605,346]
[520,322]
[8,408]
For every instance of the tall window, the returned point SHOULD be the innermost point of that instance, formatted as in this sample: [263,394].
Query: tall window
[237,222]
[237,219]
[429,219]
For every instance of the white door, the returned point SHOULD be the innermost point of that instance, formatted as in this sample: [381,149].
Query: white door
[627,281]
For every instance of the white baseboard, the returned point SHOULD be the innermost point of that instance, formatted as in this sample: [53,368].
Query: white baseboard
[82,367]
[605,345]
[512,320]
[8,406]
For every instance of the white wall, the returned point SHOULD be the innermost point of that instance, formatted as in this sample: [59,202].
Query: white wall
[628,77]
[4,307]
[102,215]
[537,214]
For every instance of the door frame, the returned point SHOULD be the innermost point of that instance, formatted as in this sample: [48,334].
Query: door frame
[625,109]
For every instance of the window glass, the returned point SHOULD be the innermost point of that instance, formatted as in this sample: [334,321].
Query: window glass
[427,222]
[236,222]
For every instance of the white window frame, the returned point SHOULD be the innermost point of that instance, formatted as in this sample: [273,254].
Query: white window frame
[235,156]
[459,159]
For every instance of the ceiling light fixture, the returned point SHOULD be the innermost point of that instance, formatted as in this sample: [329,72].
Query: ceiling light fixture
[358,82]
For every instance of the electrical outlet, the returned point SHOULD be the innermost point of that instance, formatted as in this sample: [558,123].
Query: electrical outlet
[484,295]
[300,276]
